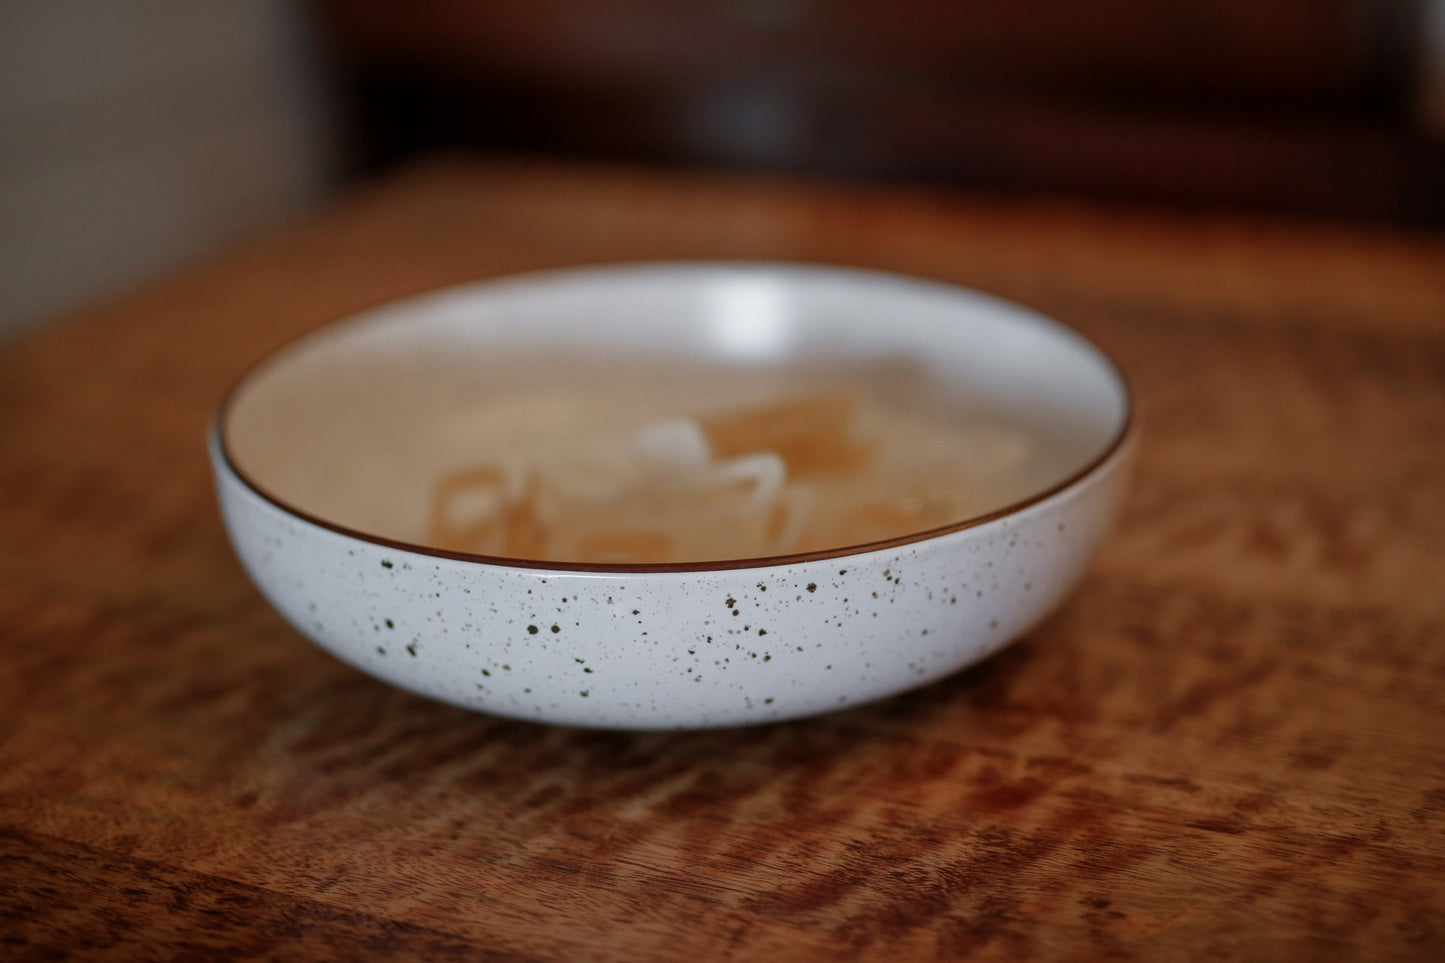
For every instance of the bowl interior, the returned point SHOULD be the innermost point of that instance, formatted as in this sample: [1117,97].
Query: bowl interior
[354,423]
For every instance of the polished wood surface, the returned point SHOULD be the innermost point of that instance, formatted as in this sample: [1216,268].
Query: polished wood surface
[1229,744]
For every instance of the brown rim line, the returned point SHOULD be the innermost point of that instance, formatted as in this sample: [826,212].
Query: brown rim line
[1121,441]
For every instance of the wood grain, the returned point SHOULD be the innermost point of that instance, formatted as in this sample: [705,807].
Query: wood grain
[1230,745]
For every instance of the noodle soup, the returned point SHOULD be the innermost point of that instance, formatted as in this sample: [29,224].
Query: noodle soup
[645,461]
[663,496]
[798,468]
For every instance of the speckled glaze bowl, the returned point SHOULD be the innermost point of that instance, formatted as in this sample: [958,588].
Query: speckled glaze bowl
[656,646]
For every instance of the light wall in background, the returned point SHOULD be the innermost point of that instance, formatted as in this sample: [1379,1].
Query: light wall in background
[135,135]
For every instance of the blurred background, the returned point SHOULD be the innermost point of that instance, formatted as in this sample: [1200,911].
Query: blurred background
[139,135]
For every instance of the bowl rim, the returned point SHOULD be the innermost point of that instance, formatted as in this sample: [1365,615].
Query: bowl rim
[1120,442]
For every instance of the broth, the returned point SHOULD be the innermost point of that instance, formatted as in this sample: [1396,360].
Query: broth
[657,469]
[610,459]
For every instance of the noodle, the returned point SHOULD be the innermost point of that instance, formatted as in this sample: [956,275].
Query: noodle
[808,473]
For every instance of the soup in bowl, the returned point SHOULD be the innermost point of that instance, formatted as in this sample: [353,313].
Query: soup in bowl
[673,495]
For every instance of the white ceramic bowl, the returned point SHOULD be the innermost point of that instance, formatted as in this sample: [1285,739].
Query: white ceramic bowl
[316,480]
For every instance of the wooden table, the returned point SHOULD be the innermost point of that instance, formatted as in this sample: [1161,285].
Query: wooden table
[1230,744]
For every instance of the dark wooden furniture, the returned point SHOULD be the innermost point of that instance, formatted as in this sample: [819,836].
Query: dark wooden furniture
[1300,105]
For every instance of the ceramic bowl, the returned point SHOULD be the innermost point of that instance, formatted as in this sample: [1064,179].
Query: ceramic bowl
[320,468]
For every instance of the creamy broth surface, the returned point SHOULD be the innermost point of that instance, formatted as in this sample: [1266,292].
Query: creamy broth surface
[645,465]
[637,461]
